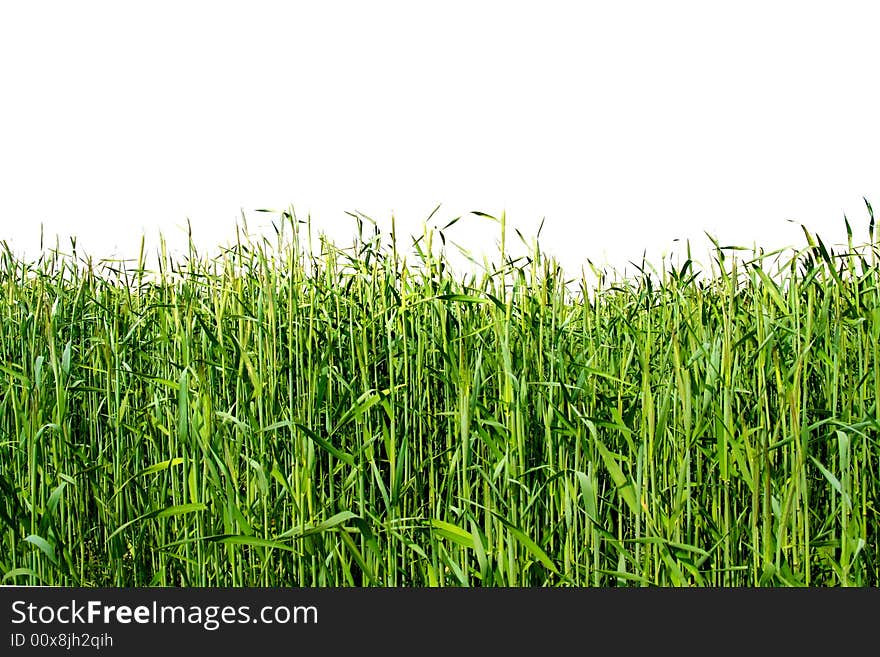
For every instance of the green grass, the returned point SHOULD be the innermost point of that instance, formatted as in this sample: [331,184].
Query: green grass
[278,415]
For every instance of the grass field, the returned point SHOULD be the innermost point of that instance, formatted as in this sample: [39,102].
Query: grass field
[281,415]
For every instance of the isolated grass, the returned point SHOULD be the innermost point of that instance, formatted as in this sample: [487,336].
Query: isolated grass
[363,416]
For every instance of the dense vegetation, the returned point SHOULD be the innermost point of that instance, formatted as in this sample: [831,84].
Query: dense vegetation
[281,415]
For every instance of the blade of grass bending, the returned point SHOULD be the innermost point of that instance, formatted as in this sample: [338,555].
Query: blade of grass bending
[171,511]
[533,548]
[323,444]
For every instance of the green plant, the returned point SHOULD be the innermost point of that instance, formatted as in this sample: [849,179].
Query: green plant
[284,415]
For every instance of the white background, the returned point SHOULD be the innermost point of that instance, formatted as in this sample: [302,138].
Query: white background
[625,124]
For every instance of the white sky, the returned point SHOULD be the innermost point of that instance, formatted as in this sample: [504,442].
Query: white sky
[625,124]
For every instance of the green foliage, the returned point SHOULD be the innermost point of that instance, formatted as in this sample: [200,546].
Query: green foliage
[282,415]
